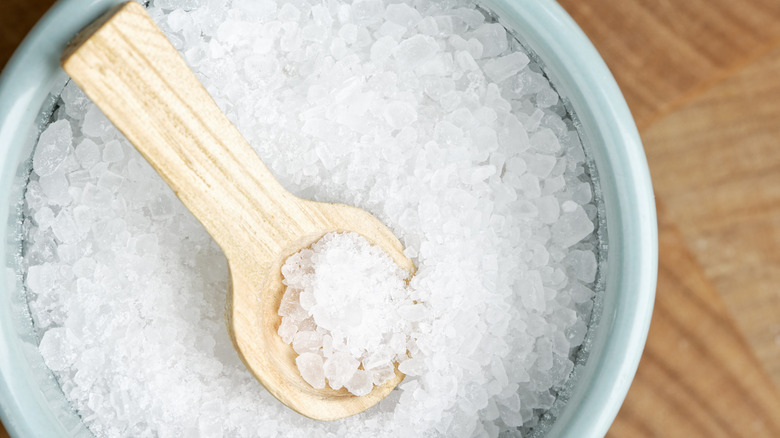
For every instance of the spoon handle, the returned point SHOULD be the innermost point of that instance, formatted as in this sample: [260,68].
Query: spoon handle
[127,66]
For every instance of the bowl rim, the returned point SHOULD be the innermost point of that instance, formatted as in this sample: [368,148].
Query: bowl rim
[633,251]
[575,66]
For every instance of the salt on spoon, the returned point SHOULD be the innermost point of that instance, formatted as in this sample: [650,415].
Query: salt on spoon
[129,69]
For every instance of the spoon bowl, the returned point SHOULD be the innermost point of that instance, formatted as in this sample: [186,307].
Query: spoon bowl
[130,70]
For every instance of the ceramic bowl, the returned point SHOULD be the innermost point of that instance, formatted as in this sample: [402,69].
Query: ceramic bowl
[31,402]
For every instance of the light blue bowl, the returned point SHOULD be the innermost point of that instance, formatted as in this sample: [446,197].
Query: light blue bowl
[31,402]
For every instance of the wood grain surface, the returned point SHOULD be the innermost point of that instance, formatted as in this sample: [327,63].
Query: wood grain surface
[702,78]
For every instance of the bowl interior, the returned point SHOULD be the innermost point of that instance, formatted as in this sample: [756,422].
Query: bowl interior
[31,401]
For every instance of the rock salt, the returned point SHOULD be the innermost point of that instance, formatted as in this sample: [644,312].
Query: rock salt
[424,114]
[53,148]
[355,294]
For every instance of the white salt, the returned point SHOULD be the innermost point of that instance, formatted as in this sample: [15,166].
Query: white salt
[502,68]
[423,113]
[310,367]
[399,114]
[95,124]
[493,39]
[307,342]
[113,152]
[414,51]
[355,294]
[546,98]
[360,383]
[546,141]
[402,14]
[87,153]
[583,265]
[55,188]
[339,368]
[53,148]
[572,227]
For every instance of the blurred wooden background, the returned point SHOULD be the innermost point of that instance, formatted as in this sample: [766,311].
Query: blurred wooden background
[702,78]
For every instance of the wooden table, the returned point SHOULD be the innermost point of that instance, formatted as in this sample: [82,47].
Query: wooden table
[702,78]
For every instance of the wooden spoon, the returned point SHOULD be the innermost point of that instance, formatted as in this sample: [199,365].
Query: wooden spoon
[125,64]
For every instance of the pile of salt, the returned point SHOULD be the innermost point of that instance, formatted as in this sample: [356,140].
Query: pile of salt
[425,116]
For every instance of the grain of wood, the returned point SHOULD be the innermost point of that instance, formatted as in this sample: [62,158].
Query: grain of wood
[716,166]
[17,17]
[698,376]
[130,70]
[665,52]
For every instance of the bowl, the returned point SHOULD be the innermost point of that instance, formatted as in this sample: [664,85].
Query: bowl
[31,401]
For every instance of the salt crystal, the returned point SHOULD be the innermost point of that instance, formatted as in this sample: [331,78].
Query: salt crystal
[53,147]
[572,227]
[549,209]
[339,368]
[78,178]
[187,5]
[54,348]
[545,141]
[382,374]
[349,33]
[44,218]
[402,14]
[583,264]
[87,153]
[145,245]
[75,101]
[500,69]
[540,165]
[412,312]
[532,291]
[440,64]
[256,9]
[391,30]
[475,48]
[399,114]
[414,51]
[360,383]
[178,19]
[41,278]
[529,184]
[465,61]
[95,196]
[113,151]
[84,267]
[95,125]
[55,188]
[287,330]
[110,181]
[576,333]
[493,38]
[310,367]
[582,193]
[546,98]
[428,26]
[569,206]
[65,228]
[411,367]
[544,358]
[530,82]
[307,342]
[445,24]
